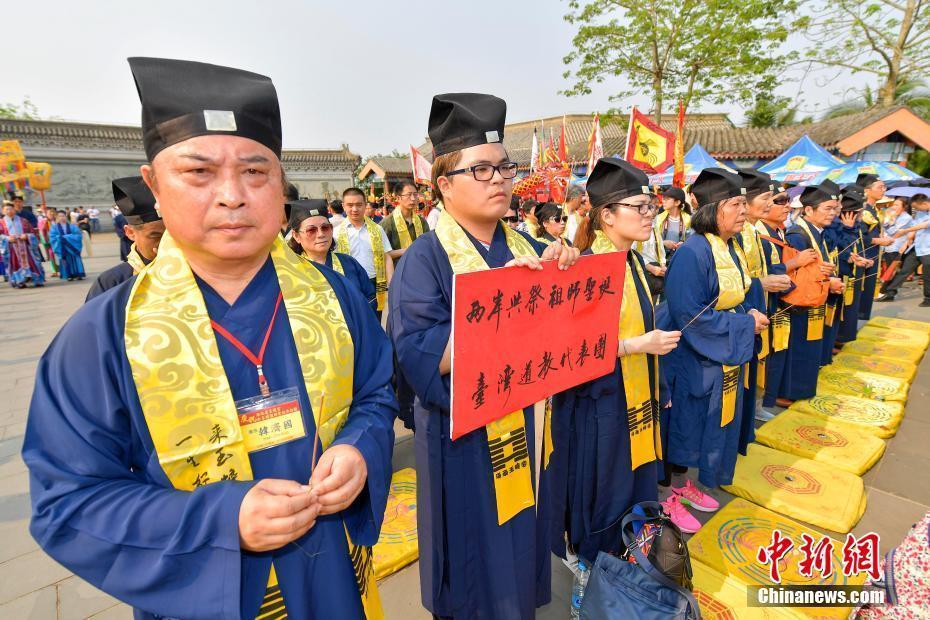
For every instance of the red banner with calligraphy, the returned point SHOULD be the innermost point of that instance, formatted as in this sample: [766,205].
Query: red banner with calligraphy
[519,336]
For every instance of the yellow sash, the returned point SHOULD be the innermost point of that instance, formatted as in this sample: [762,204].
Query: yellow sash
[830,311]
[548,448]
[183,389]
[135,259]
[377,252]
[815,316]
[337,265]
[734,284]
[660,247]
[752,247]
[400,224]
[780,327]
[507,440]
[642,406]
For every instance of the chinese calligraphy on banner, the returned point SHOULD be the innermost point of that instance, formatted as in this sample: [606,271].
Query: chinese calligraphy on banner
[519,336]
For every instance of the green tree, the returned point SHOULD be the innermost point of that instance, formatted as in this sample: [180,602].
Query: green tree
[773,111]
[912,92]
[26,110]
[694,50]
[887,39]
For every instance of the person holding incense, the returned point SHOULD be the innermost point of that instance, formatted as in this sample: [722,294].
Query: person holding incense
[482,552]
[805,345]
[191,466]
[605,432]
[708,287]
[852,263]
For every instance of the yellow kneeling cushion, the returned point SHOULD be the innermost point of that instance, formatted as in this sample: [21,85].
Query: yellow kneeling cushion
[880,419]
[900,337]
[897,369]
[799,488]
[891,323]
[721,597]
[728,545]
[872,348]
[843,381]
[397,546]
[826,441]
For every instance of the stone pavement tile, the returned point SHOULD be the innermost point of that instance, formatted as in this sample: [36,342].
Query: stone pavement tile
[28,573]
[17,540]
[117,612]
[889,516]
[913,438]
[39,605]
[400,595]
[77,599]
[13,430]
[903,474]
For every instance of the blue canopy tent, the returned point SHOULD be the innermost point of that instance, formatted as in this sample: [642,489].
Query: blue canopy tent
[696,160]
[803,161]
[847,173]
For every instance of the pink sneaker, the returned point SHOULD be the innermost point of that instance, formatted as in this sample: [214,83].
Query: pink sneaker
[692,496]
[680,515]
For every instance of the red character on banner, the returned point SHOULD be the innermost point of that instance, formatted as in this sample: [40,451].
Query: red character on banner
[861,555]
[819,556]
[774,553]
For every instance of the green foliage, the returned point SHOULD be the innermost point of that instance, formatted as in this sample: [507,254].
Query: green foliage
[887,39]
[919,162]
[25,111]
[773,111]
[718,51]
[912,92]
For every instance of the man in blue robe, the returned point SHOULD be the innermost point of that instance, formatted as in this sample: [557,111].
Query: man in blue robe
[873,236]
[106,503]
[471,565]
[852,263]
[833,238]
[144,227]
[808,325]
[67,240]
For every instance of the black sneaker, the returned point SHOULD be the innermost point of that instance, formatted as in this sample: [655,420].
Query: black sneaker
[885,297]
[924,304]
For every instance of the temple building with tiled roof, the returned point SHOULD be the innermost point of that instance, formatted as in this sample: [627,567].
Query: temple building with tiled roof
[882,134]
[85,157]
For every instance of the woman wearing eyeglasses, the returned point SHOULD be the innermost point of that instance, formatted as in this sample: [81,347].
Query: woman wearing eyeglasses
[605,433]
[707,286]
[482,554]
[312,237]
[771,227]
[550,223]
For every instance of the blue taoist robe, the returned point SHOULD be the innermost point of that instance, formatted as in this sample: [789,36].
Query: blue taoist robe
[799,381]
[592,483]
[104,508]
[470,567]
[693,370]
[775,360]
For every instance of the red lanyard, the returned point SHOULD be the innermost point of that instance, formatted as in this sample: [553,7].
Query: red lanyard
[255,359]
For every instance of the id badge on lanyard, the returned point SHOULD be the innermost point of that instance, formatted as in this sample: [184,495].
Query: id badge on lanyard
[271,418]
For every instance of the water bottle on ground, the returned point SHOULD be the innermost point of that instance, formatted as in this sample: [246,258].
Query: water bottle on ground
[581,581]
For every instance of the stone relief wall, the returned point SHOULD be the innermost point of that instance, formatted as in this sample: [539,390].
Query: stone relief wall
[88,184]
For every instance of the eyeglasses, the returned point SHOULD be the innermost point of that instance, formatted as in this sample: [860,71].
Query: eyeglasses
[485,172]
[645,209]
[312,230]
[511,218]
[781,200]
[558,219]
[410,195]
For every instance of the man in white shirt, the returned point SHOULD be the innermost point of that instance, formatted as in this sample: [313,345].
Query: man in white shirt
[575,208]
[94,214]
[355,237]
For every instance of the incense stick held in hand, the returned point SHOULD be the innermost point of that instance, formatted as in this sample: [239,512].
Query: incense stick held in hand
[703,310]
[316,437]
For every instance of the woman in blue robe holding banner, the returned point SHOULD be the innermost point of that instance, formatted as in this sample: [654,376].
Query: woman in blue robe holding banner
[482,553]
[66,240]
[707,286]
[805,345]
[605,433]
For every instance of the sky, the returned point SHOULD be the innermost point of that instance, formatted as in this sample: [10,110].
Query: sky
[360,73]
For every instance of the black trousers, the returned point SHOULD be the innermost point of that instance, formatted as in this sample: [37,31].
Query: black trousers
[908,266]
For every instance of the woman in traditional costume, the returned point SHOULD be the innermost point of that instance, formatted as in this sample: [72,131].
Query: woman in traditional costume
[605,433]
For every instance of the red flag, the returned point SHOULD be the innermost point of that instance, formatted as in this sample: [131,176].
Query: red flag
[678,179]
[563,148]
[422,169]
[648,146]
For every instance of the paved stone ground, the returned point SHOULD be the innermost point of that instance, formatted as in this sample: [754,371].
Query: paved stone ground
[32,585]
